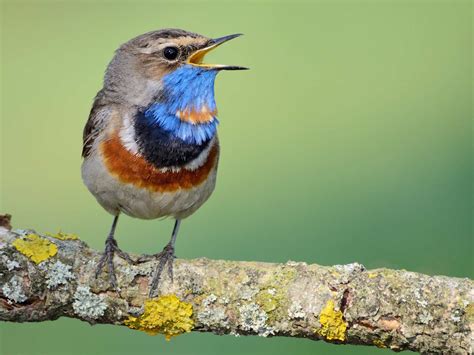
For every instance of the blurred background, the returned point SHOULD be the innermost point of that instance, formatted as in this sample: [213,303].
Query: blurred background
[348,140]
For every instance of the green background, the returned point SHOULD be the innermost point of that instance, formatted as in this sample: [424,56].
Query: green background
[348,140]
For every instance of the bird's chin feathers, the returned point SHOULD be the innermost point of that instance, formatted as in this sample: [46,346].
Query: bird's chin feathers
[187,108]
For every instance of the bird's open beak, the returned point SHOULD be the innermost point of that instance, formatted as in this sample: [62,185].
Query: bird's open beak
[197,57]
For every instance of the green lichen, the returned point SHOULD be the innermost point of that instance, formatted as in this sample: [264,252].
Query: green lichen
[165,315]
[268,299]
[333,326]
[273,298]
[63,236]
[215,285]
[286,275]
[469,311]
[35,248]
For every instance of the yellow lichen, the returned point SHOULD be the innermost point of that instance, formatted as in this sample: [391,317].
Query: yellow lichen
[36,248]
[165,315]
[63,236]
[372,275]
[379,343]
[333,326]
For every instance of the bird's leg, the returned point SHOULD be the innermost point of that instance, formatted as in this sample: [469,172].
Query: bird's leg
[165,257]
[111,248]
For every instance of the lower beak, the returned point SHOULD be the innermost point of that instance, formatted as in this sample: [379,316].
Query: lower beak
[197,57]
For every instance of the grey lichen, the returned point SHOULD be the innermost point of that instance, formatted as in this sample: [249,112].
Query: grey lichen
[128,273]
[209,300]
[135,311]
[253,318]
[246,293]
[13,290]
[395,309]
[456,317]
[295,263]
[425,318]
[224,300]
[213,317]
[350,268]
[10,264]
[349,271]
[87,304]
[419,298]
[212,314]
[296,311]
[57,274]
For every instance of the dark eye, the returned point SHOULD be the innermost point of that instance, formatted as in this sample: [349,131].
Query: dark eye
[170,53]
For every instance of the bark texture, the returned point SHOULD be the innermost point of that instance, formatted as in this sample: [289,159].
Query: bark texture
[44,277]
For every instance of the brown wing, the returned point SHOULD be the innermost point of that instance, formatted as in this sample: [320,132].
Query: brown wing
[95,124]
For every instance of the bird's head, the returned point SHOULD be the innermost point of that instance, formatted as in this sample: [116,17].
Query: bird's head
[164,72]
[162,52]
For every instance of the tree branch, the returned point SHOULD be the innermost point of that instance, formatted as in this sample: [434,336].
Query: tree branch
[47,277]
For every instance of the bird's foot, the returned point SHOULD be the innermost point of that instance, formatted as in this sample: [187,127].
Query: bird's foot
[165,257]
[107,258]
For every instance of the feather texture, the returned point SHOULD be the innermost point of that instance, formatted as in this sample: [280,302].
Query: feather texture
[187,89]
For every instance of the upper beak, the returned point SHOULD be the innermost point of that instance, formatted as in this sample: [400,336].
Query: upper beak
[197,57]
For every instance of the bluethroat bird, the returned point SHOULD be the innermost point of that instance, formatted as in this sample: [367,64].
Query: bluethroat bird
[150,145]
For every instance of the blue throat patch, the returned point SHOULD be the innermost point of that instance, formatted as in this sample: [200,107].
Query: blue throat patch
[188,88]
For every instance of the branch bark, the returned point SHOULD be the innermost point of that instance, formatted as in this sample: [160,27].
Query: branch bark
[44,277]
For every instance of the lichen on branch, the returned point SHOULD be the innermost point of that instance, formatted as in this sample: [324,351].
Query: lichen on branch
[44,277]
[166,315]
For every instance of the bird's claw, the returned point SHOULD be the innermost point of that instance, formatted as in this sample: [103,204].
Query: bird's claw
[107,258]
[166,256]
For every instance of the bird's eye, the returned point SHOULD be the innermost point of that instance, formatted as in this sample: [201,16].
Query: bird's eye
[170,53]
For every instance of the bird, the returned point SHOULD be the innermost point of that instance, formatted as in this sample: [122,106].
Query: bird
[150,145]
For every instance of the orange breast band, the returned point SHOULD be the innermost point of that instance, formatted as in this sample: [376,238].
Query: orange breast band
[134,169]
[202,116]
